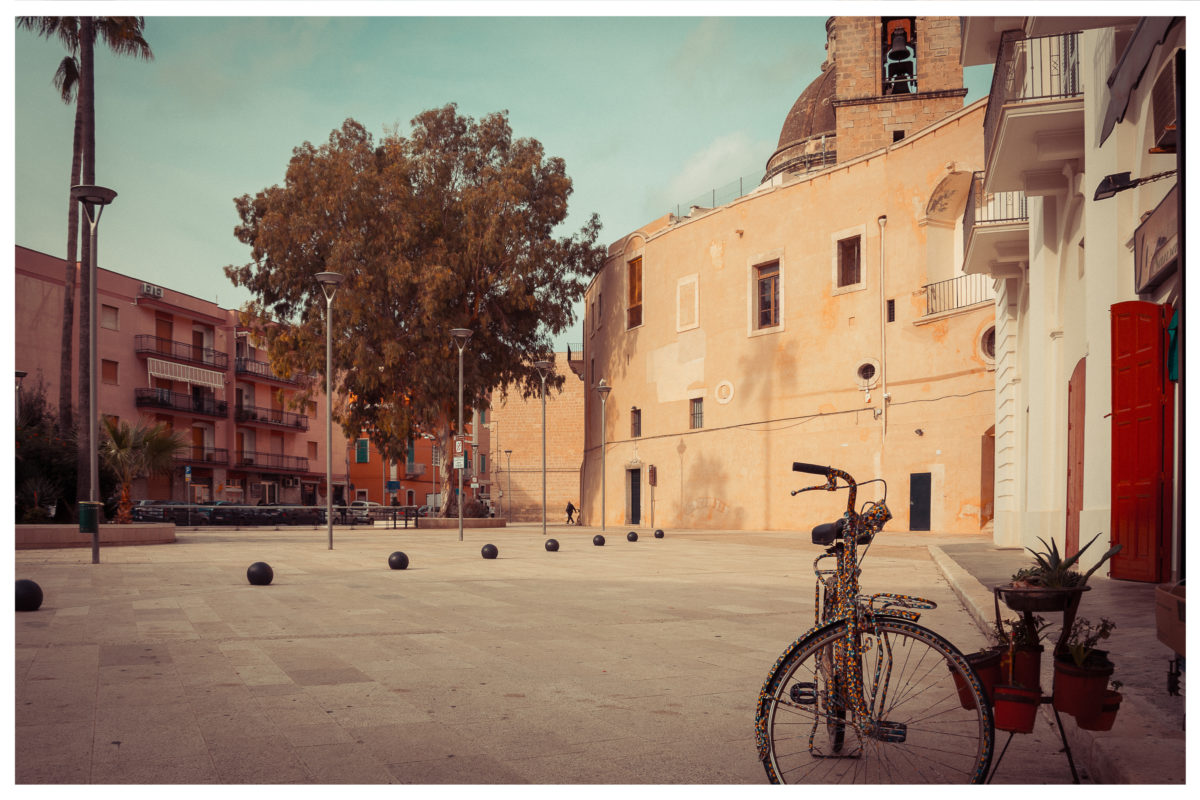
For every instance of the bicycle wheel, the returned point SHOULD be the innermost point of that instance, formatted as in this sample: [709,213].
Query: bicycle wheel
[918,730]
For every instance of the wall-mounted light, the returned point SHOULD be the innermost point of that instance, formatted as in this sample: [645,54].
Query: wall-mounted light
[1120,181]
[919,432]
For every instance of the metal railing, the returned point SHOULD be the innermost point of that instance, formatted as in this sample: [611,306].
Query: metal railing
[720,195]
[178,401]
[1045,68]
[413,468]
[960,292]
[260,369]
[209,455]
[269,461]
[991,208]
[181,351]
[270,416]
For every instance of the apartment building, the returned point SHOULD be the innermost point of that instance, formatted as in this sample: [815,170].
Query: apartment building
[1076,219]
[165,356]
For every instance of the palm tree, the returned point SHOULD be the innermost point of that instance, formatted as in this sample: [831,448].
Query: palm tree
[137,452]
[73,80]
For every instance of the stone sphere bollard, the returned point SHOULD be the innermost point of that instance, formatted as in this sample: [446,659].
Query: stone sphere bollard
[489,551]
[658,534]
[260,573]
[29,595]
[552,545]
[631,536]
[398,560]
[598,540]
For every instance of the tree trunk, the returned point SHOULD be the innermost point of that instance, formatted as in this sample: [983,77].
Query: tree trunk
[125,507]
[87,112]
[66,373]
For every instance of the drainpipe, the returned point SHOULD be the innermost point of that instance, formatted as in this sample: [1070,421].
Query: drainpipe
[882,328]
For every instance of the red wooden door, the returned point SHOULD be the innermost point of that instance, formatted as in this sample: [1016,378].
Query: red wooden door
[1142,414]
[1076,391]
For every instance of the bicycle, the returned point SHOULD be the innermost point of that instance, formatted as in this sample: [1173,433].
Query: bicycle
[867,695]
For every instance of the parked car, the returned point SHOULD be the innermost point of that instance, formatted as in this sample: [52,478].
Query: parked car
[147,511]
[296,514]
[361,511]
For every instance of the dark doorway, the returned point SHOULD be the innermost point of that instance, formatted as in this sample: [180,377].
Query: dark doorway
[635,497]
[919,486]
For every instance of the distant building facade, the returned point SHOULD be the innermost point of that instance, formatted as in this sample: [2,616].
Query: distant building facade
[824,317]
[165,356]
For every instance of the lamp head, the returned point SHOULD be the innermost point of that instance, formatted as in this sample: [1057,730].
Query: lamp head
[330,278]
[460,336]
[93,195]
[542,367]
[1117,182]
[603,388]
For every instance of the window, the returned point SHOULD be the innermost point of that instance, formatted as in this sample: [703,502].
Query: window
[697,412]
[109,317]
[849,269]
[635,423]
[687,303]
[635,293]
[483,463]
[891,310]
[108,372]
[362,451]
[766,279]
[312,451]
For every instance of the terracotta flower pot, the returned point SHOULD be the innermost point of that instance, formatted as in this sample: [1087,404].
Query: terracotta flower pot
[1016,708]
[1105,716]
[986,664]
[1078,691]
[1025,669]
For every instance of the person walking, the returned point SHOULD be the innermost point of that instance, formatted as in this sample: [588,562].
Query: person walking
[570,513]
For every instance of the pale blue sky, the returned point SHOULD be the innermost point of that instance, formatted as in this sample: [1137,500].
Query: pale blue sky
[648,112]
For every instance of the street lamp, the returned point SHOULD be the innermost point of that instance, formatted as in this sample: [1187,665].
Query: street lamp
[603,389]
[508,469]
[460,336]
[543,367]
[329,282]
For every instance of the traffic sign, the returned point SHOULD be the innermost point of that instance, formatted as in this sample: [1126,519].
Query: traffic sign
[460,461]
[459,445]
[187,473]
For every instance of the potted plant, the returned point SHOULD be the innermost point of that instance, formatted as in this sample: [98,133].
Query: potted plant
[1106,715]
[1051,583]
[1081,670]
[1015,708]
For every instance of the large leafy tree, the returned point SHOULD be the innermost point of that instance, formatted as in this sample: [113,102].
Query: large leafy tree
[450,227]
[133,452]
[74,82]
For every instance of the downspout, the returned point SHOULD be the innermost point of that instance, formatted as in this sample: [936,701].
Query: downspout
[882,328]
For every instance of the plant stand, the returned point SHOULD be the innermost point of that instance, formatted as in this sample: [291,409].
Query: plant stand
[1028,601]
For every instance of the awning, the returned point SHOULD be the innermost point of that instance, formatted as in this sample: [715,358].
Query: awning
[1156,244]
[1149,34]
[183,372]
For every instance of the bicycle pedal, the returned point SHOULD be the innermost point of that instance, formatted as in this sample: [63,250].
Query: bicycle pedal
[804,694]
[891,731]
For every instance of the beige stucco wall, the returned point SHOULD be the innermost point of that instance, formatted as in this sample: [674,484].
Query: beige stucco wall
[791,392]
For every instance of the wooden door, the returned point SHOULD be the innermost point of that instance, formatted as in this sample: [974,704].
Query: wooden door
[920,485]
[1142,431]
[1076,391]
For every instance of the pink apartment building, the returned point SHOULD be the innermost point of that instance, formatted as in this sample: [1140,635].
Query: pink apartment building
[169,357]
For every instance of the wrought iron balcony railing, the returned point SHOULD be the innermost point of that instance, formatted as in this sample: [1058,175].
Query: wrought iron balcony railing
[259,369]
[270,461]
[180,351]
[198,453]
[178,401]
[270,416]
[991,208]
[1027,70]
[960,292]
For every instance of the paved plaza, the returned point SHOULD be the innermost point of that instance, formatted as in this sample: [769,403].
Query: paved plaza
[633,663]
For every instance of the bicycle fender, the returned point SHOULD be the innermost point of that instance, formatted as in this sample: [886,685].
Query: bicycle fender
[768,687]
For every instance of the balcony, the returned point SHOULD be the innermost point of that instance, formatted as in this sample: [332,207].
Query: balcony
[413,469]
[258,369]
[961,292]
[178,401]
[995,230]
[270,416]
[203,455]
[180,351]
[270,462]
[1034,120]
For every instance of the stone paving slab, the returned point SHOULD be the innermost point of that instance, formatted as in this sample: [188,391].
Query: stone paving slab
[632,663]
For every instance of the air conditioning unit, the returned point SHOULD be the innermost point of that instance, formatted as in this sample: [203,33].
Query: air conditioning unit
[289,483]
[150,290]
[1162,107]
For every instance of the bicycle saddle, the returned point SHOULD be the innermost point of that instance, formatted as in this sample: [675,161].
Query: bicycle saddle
[829,532]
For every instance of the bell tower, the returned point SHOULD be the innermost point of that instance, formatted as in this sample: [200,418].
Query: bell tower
[894,76]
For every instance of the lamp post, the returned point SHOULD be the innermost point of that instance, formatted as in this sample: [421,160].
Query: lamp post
[329,282]
[508,469]
[543,367]
[93,199]
[603,389]
[460,336]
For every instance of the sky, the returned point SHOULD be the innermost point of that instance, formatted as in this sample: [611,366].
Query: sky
[649,108]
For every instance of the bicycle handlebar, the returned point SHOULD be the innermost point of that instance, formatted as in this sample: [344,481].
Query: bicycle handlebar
[800,466]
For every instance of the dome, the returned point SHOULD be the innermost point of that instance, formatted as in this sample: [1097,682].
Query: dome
[811,118]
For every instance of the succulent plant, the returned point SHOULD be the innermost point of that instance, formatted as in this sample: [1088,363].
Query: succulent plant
[1052,571]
